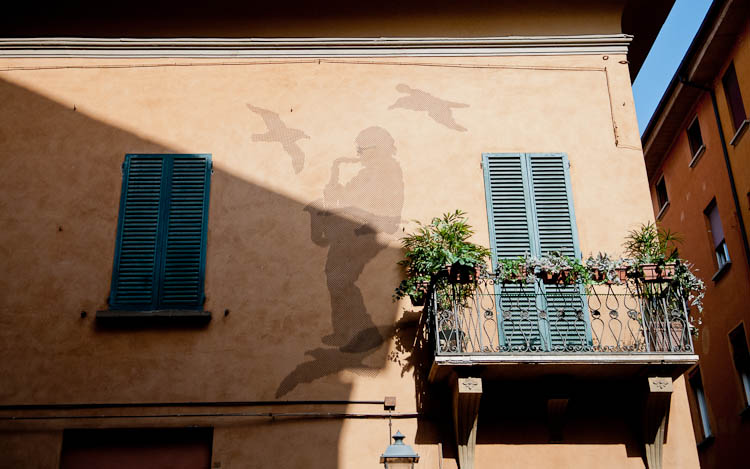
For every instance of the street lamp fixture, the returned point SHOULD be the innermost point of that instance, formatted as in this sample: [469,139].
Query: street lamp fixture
[398,455]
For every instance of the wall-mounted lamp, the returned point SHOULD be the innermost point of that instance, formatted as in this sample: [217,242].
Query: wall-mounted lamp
[398,455]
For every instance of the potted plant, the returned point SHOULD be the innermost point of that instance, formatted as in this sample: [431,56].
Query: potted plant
[440,253]
[452,339]
[692,287]
[421,291]
[604,269]
[655,259]
[653,251]
[556,268]
[512,270]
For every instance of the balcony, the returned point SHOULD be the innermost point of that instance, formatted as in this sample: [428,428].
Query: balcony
[593,331]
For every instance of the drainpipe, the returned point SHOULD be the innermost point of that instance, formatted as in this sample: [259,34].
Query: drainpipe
[737,207]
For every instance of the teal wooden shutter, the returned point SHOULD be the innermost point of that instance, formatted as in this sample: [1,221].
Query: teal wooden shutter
[567,316]
[160,250]
[134,282]
[510,214]
[185,236]
[530,207]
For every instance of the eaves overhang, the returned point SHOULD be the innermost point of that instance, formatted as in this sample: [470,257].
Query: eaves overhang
[643,20]
[700,66]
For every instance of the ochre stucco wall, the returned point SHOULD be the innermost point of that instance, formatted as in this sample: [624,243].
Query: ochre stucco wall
[66,126]
[690,192]
[739,153]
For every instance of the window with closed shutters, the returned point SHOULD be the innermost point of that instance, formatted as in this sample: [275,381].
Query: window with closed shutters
[161,235]
[530,211]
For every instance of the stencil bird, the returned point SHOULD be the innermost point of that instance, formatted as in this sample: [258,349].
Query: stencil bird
[438,109]
[280,133]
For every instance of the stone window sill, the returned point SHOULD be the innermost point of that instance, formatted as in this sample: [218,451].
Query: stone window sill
[697,155]
[740,132]
[720,273]
[662,210]
[706,442]
[158,316]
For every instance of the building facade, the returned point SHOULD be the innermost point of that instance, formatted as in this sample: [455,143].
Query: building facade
[201,237]
[696,153]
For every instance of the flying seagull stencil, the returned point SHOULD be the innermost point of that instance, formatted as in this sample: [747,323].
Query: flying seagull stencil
[440,110]
[280,133]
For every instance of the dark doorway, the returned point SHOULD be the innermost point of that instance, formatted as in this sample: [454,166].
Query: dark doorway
[153,448]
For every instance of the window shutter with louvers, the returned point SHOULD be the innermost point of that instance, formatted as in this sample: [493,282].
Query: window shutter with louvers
[161,236]
[510,215]
[530,209]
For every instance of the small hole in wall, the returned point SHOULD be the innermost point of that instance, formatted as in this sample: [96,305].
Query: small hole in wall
[226,312]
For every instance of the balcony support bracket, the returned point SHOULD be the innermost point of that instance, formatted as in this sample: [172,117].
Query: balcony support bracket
[467,393]
[655,417]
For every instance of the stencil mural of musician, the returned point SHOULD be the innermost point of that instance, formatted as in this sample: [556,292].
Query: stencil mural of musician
[347,220]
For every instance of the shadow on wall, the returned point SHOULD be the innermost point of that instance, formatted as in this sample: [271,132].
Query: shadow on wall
[266,256]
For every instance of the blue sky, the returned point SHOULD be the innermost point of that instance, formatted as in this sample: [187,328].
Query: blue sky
[665,55]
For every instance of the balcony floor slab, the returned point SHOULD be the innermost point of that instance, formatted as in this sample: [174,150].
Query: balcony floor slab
[585,366]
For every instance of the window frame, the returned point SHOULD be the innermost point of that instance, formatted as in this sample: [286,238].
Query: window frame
[704,427]
[662,205]
[722,260]
[740,352]
[735,103]
[695,150]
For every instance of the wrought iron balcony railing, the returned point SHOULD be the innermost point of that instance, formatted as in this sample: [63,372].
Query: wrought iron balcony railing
[492,318]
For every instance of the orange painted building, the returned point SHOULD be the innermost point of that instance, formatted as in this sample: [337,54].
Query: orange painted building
[202,209]
[697,154]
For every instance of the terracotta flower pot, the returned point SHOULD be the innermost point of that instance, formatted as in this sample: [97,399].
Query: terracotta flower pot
[598,275]
[420,298]
[519,277]
[622,274]
[463,274]
[657,272]
[564,277]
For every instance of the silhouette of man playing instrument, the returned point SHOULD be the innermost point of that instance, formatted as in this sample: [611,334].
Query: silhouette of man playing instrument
[350,217]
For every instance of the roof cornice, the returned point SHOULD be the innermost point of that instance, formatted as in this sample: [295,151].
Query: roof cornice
[312,47]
